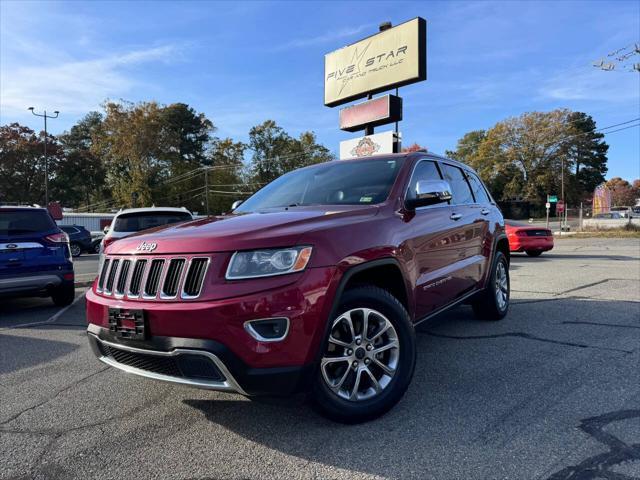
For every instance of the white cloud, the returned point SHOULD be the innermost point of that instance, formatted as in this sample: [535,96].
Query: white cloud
[592,84]
[75,86]
[324,38]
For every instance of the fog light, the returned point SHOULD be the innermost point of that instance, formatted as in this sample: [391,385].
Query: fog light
[268,329]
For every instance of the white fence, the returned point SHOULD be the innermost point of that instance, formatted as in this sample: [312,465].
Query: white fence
[608,223]
[90,221]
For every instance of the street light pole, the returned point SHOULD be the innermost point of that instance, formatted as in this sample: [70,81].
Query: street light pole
[46,162]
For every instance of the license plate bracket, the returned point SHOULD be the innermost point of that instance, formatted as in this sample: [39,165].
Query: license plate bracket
[127,323]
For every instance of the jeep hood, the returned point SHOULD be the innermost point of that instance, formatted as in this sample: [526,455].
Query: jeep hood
[271,228]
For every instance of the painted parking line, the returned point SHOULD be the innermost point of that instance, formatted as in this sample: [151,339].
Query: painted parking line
[52,319]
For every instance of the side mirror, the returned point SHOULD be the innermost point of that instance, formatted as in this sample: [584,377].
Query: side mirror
[235,204]
[429,192]
[105,230]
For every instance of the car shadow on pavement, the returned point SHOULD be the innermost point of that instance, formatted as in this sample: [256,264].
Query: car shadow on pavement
[12,348]
[465,407]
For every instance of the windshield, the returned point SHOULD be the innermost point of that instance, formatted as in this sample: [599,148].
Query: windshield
[19,222]
[134,222]
[332,183]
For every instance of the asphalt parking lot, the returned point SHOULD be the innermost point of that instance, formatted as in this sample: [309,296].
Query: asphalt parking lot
[551,392]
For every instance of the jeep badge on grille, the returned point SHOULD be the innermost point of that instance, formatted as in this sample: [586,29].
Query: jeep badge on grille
[146,247]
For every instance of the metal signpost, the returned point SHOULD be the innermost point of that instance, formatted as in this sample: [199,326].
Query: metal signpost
[394,57]
[547,206]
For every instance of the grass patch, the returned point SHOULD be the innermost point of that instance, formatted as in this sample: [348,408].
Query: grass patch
[630,230]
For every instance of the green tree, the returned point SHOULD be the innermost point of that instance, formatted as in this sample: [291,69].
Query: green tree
[588,152]
[226,177]
[275,152]
[80,174]
[22,164]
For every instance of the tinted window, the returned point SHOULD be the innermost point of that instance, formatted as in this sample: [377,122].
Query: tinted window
[478,189]
[425,170]
[68,229]
[340,182]
[134,222]
[18,222]
[459,187]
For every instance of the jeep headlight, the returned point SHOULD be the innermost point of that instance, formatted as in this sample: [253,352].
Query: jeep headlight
[268,262]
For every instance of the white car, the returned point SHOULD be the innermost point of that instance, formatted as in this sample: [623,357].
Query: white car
[132,220]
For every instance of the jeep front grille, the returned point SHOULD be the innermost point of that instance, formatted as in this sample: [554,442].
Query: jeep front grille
[153,278]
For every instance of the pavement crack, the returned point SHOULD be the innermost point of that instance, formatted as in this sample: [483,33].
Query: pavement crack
[599,466]
[56,395]
[526,336]
[613,325]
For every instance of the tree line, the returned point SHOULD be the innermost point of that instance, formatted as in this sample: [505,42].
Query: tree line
[146,153]
[139,154]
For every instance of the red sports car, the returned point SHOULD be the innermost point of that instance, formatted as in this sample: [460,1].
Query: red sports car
[530,239]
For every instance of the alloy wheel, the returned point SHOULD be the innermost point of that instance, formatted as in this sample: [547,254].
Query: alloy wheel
[502,286]
[362,354]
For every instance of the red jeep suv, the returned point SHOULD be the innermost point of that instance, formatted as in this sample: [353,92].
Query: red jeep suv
[315,283]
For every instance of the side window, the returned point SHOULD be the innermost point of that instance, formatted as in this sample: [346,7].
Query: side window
[459,186]
[425,170]
[478,189]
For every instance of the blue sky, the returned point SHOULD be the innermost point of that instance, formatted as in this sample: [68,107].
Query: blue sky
[242,63]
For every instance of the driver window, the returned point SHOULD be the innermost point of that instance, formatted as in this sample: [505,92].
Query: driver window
[425,170]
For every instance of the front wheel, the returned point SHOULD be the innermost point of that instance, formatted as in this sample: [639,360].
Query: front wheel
[534,253]
[76,250]
[493,304]
[64,295]
[367,359]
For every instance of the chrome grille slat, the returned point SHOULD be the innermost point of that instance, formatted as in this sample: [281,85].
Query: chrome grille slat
[103,273]
[153,278]
[172,278]
[160,278]
[108,288]
[122,277]
[194,277]
[136,278]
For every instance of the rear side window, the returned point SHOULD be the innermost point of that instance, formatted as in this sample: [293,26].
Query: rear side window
[134,222]
[478,189]
[18,222]
[425,170]
[69,229]
[459,187]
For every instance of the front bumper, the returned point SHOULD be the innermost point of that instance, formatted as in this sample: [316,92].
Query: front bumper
[212,335]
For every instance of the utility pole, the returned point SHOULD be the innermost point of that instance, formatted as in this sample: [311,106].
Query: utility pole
[46,162]
[206,189]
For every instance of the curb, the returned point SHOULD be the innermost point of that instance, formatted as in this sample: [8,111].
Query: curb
[84,284]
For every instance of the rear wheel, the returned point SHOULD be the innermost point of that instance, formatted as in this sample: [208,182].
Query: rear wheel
[76,250]
[367,359]
[493,304]
[64,295]
[534,253]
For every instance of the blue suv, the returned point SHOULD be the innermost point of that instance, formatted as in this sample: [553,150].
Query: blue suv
[35,259]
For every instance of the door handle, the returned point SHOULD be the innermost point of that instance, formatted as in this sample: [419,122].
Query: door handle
[455,216]
[485,211]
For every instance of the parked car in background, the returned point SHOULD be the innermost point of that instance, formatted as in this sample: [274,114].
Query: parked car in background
[609,216]
[133,220]
[34,255]
[96,240]
[625,212]
[314,283]
[529,239]
[79,239]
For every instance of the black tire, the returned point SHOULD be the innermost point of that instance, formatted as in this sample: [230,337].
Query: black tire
[344,410]
[534,253]
[96,247]
[75,249]
[486,306]
[64,295]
